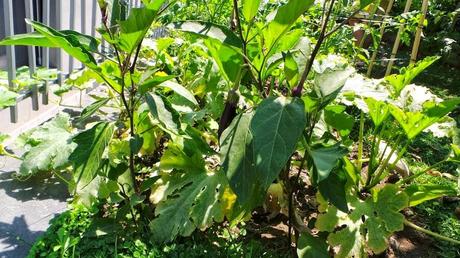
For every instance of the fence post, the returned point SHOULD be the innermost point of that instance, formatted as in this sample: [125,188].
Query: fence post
[46,51]
[10,53]
[31,54]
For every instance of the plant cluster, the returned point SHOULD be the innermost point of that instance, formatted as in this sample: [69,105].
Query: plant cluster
[210,120]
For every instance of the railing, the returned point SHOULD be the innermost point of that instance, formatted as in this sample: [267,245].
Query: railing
[79,15]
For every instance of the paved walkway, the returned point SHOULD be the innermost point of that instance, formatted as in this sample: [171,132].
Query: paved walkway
[26,208]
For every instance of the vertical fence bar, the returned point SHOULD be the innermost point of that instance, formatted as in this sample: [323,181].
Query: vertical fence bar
[46,51]
[72,27]
[10,53]
[59,51]
[83,20]
[31,54]
[93,18]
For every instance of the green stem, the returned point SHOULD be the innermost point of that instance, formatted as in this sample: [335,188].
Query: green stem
[431,233]
[381,168]
[61,177]
[7,154]
[361,142]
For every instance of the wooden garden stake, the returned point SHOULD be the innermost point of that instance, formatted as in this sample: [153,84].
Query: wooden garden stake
[382,31]
[418,34]
[397,40]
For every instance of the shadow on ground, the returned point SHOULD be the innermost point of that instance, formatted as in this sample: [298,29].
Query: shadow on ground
[35,188]
[16,238]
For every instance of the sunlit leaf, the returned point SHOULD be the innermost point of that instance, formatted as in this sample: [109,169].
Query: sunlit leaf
[309,246]
[399,81]
[87,157]
[49,146]
[414,123]
[187,201]
[163,112]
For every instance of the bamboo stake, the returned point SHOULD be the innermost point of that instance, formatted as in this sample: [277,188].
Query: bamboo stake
[382,31]
[418,34]
[397,40]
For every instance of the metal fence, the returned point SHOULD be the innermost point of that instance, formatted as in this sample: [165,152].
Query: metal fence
[79,15]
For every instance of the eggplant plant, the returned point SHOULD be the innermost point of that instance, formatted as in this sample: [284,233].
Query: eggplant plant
[207,123]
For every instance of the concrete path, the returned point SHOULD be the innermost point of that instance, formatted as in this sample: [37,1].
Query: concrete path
[26,208]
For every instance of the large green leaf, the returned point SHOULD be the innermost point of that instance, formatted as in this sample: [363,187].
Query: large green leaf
[276,127]
[291,70]
[284,19]
[419,193]
[134,28]
[237,159]
[7,98]
[331,80]
[187,201]
[309,246]
[88,111]
[163,112]
[148,85]
[37,39]
[378,110]
[180,90]
[325,159]
[69,42]
[87,157]
[50,146]
[228,60]
[333,189]
[368,224]
[209,30]
[414,123]
[175,157]
[250,8]
[335,116]
[399,81]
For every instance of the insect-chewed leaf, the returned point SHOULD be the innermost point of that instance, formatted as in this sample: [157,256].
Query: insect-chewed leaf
[378,110]
[190,200]
[368,224]
[50,147]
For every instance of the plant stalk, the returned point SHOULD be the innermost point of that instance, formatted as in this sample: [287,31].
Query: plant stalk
[431,233]
[297,91]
